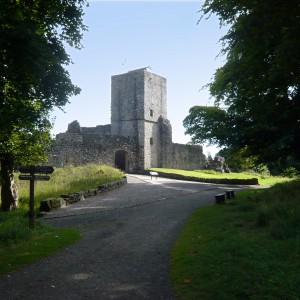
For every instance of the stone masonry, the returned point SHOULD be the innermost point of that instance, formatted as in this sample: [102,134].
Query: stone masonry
[139,136]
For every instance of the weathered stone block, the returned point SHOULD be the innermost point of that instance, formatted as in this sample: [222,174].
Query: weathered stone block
[71,198]
[80,195]
[57,202]
[45,205]
[52,203]
[93,192]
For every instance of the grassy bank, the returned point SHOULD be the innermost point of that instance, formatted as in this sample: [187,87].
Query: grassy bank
[246,249]
[67,180]
[262,179]
[18,244]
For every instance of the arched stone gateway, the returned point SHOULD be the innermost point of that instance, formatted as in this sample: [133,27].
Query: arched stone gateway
[121,160]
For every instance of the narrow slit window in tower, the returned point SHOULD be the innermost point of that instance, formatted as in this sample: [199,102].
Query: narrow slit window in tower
[151,141]
[151,113]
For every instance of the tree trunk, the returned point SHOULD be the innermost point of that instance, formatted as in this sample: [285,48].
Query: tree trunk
[9,190]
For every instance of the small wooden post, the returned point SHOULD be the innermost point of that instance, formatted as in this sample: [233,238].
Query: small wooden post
[31,171]
[31,201]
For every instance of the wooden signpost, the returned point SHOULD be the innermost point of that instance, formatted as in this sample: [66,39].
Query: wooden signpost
[30,174]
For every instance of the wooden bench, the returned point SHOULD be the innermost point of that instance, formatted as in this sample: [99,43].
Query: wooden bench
[230,194]
[220,198]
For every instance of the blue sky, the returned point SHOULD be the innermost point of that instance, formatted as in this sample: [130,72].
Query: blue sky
[127,35]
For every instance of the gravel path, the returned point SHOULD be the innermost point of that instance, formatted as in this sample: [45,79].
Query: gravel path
[127,233]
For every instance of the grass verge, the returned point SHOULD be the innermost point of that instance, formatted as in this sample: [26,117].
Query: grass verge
[262,179]
[18,244]
[246,249]
[15,252]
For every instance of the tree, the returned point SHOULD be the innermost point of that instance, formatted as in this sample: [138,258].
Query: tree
[33,78]
[237,160]
[259,84]
[206,124]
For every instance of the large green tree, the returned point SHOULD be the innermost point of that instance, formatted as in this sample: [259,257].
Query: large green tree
[206,124]
[258,87]
[33,78]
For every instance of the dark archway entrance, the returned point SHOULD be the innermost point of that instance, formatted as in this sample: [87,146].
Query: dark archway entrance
[121,160]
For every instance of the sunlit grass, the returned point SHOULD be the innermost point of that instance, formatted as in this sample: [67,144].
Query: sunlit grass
[262,179]
[67,180]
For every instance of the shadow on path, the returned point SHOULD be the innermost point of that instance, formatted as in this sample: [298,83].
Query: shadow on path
[127,233]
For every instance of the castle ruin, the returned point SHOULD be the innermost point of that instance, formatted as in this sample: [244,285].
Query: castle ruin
[139,136]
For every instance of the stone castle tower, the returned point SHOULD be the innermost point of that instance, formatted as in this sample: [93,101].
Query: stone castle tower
[138,111]
[139,136]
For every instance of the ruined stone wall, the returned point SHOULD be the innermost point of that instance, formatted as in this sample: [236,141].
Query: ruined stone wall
[74,127]
[139,126]
[185,157]
[77,149]
[100,129]
[82,148]
[67,149]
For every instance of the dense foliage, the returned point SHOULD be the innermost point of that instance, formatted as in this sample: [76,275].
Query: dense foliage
[33,78]
[257,90]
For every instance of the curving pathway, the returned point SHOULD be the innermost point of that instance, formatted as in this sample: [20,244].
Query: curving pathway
[127,233]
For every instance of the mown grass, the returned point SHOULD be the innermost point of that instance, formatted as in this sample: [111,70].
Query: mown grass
[262,179]
[18,244]
[246,249]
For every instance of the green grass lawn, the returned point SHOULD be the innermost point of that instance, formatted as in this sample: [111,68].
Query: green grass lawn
[248,248]
[262,180]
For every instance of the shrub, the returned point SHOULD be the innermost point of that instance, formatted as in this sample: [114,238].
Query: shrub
[290,172]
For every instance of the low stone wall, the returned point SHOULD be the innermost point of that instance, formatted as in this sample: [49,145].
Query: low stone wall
[251,181]
[68,199]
